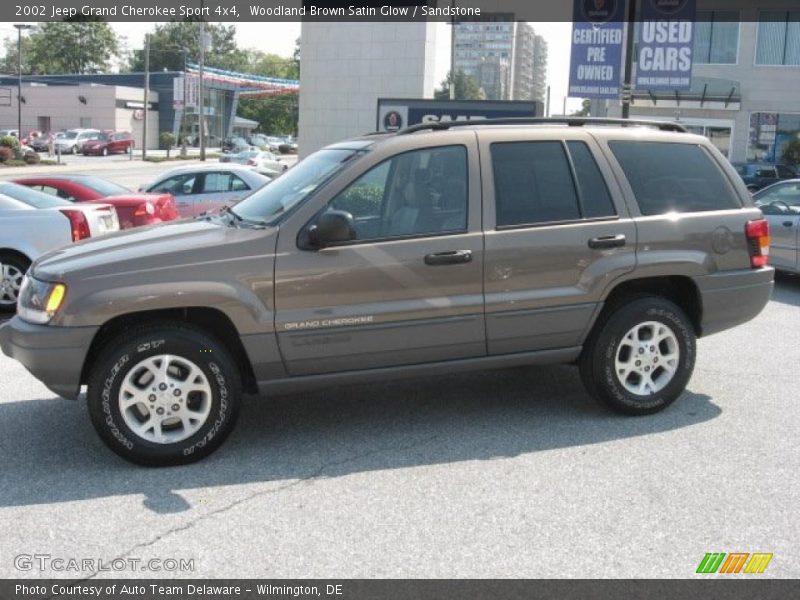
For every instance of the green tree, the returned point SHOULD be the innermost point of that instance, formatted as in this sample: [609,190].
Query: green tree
[169,41]
[466,88]
[8,64]
[70,47]
[791,154]
[586,109]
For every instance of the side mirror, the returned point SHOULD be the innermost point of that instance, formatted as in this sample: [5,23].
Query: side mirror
[332,227]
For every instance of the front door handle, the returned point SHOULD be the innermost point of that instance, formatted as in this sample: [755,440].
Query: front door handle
[607,241]
[453,257]
[788,223]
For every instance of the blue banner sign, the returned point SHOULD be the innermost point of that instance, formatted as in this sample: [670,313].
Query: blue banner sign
[665,45]
[597,40]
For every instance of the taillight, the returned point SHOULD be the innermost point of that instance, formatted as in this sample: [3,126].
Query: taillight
[757,233]
[78,224]
[252,162]
[144,210]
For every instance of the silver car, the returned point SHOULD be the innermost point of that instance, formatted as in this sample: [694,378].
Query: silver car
[201,188]
[73,139]
[33,223]
[266,163]
[780,204]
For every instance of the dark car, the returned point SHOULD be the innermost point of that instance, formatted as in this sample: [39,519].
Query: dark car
[760,175]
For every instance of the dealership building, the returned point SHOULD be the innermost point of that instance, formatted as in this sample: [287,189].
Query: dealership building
[745,93]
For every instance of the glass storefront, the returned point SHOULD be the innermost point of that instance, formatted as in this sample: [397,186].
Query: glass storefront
[770,134]
[216,119]
[720,136]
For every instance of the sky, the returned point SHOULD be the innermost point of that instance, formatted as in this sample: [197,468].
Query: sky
[279,38]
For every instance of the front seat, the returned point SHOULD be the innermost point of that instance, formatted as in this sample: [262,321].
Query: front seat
[410,217]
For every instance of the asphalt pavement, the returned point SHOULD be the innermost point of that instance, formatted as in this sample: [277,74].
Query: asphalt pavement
[514,473]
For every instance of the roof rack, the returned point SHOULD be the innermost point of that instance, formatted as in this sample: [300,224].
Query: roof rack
[571,121]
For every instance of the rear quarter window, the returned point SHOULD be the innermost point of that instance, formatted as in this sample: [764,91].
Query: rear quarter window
[671,177]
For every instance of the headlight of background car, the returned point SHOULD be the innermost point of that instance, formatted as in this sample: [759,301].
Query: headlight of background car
[39,300]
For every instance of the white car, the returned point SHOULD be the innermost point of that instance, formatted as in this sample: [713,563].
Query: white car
[33,223]
[264,162]
[73,139]
[201,188]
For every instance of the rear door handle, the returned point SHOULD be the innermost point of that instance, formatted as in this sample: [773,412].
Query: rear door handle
[607,241]
[453,257]
[788,223]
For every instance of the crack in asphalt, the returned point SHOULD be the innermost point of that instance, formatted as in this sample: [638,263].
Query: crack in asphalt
[314,475]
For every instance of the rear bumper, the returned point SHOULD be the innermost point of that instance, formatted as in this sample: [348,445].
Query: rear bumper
[734,297]
[54,355]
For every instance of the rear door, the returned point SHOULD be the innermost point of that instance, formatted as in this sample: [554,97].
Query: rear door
[408,289]
[557,234]
[215,189]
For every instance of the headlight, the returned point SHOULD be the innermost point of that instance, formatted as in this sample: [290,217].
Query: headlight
[39,300]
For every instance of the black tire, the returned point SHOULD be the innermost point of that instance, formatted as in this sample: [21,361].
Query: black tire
[182,342]
[598,360]
[20,264]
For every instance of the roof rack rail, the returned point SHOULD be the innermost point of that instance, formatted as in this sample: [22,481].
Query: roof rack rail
[571,121]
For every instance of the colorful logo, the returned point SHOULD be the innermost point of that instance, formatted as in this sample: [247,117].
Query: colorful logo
[735,562]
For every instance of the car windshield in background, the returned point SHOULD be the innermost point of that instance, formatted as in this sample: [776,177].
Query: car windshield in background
[31,197]
[101,186]
[265,204]
[70,135]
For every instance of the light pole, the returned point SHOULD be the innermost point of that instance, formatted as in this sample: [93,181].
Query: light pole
[20,27]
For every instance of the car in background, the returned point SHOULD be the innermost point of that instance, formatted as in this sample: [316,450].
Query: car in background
[33,223]
[273,143]
[73,139]
[40,142]
[202,188]
[11,132]
[780,204]
[134,209]
[235,145]
[264,162]
[761,175]
[288,146]
[109,142]
[257,139]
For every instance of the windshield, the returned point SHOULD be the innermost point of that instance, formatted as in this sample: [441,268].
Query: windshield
[71,135]
[31,197]
[101,186]
[293,186]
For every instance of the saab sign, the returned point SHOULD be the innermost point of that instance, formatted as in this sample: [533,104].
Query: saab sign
[398,113]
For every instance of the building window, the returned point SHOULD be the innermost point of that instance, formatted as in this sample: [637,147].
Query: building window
[770,134]
[778,38]
[716,38]
[86,122]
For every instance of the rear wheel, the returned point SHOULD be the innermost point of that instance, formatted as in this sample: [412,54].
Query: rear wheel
[164,395]
[640,357]
[12,270]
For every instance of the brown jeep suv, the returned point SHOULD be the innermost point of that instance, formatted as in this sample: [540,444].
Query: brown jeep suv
[440,248]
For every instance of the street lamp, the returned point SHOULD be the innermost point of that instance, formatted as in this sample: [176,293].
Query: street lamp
[20,27]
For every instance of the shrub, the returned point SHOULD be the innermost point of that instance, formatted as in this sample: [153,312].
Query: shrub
[9,141]
[361,200]
[48,162]
[15,163]
[6,154]
[31,158]
[167,141]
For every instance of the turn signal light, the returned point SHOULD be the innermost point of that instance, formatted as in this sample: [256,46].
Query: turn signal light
[56,297]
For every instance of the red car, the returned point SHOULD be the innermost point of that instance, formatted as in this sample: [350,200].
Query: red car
[109,142]
[133,209]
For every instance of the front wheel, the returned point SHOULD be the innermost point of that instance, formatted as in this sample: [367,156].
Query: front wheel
[640,357]
[12,272]
[164,395]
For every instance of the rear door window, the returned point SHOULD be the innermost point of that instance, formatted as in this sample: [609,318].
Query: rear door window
[533,184]
[671,177]
[595,199]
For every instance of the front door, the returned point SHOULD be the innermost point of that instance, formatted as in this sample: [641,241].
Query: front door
[781,206]
[409,288]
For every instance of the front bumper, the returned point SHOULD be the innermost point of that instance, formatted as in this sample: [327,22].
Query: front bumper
[54,355]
